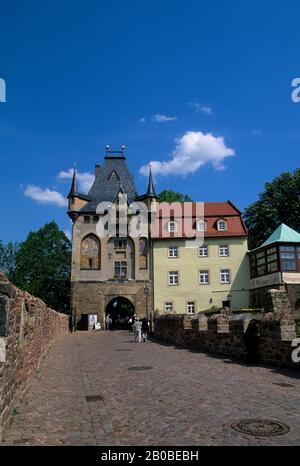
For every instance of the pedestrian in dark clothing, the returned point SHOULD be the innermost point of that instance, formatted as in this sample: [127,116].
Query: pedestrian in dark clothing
[130,325]
[251,340]
[145,329]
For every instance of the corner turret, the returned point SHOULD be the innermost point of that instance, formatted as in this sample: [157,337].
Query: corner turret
[76,200]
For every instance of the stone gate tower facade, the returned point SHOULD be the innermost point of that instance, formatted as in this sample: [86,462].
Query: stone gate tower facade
[108,273]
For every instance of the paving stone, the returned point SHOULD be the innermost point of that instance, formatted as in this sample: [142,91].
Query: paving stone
[188,398]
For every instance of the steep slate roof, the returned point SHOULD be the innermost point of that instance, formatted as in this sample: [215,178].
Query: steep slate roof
[283,234]
[105,189]
[74,190]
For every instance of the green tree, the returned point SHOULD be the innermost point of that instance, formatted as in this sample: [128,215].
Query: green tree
[8,258]
[172,196]
[43,266]
[278,203]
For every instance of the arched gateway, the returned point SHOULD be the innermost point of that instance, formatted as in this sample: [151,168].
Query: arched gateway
[120,310]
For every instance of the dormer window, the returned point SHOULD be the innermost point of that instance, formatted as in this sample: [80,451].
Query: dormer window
[172,227]
[222,225]
[113,176]
[201,225]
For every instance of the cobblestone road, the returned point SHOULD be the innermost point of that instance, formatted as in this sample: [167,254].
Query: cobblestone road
[188,398]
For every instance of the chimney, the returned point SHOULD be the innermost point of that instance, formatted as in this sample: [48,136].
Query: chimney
[97,170]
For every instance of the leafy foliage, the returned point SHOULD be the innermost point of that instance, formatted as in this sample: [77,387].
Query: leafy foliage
[41,265]
[279,203]
[172,196]
[8,258]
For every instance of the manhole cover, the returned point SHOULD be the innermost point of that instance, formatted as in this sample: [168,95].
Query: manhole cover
[284,384]
[93,398]
[140,368]
[260,427]
[123,350]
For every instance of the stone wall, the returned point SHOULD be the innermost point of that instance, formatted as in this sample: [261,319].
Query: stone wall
[259,297]
[221,334]
[27,329]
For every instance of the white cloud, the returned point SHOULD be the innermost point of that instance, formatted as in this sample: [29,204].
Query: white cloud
[68,234]
[142,120]
[163,118]
[85,180]
[207,109]
[45,196]
[193,150]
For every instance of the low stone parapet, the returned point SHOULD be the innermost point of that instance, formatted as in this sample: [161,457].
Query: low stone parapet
[27,330]
[225,335]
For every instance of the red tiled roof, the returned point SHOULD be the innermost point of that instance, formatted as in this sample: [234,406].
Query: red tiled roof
[219,209]
[213,211]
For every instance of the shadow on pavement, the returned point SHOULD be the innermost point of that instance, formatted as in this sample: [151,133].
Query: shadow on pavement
[290,372]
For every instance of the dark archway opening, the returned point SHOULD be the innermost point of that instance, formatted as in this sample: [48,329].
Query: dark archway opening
[120,310]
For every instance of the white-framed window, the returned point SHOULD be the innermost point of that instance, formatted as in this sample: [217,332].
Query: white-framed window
[203,251]
[120,269]
[172,227]
[173,251]
[169,307]
[224,276]
[173,278]
[222,225]
[201,225]
[224,250]
[204,277]
[191,308]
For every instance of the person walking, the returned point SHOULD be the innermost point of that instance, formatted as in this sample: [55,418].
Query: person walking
[145,329]
[137,329]
[107,322]
[130,323]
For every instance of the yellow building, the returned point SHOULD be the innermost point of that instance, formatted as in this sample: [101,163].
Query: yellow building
[212,275]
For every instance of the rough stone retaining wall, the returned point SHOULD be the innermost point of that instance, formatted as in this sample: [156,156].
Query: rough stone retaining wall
[221,334]
[27,330]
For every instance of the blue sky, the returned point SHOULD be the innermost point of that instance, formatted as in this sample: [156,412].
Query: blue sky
[185,84]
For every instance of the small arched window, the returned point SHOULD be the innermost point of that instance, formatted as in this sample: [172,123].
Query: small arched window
[201,225]
[90,253]
[172,227]
[222,225]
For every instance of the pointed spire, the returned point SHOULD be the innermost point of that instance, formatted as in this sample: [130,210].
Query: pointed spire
[150,190]
[73,191]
